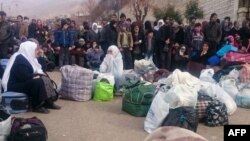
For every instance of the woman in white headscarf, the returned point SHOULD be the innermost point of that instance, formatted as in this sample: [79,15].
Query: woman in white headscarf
[94,33]
[160,23]
[113,64]
[22,75]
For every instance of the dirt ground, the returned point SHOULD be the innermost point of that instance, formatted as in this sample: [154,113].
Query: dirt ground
[105,121]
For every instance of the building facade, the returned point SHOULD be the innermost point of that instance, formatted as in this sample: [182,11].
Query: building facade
[235,9]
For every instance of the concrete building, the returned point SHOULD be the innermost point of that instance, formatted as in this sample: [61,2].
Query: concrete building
[236,9]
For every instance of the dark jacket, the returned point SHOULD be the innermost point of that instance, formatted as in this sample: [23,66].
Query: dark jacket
[245,35]
[32,30]
[6,33]
[139,48]
[40,35]
[164,33]
[109,37]
[179,37]
[93,36]
[213,32]
[201,59]
[21,71]
[63,38]
[85,36]
[81,53]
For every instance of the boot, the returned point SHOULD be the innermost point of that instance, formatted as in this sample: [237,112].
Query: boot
[51,105]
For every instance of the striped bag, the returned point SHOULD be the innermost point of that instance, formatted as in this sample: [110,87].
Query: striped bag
[76,83]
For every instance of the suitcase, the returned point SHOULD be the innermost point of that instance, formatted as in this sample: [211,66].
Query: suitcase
[4,62]
[15,103]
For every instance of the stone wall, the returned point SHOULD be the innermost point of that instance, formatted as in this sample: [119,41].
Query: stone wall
[222,7]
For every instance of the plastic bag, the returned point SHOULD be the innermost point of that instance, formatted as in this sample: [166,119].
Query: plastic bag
[243,101]
[185,78]
[243,98]
[143,66]
[215,91]
[181,96]
[207,75]
[234,74]
[108,76]
[103,91]
[158,110]
[230,87]
[5,125]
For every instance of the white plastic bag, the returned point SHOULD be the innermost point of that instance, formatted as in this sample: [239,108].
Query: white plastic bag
[185,78]
[143,66]
[243,98]
[181,96]
[107,76]
[229,85]
[5,127]
[207,75]
[215,91]
[159,109]
[234,74]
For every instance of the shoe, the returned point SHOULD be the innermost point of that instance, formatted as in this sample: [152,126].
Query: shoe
[41,110]
[55,107]
[52,106]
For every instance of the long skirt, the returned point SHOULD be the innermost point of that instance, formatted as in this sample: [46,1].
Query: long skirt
[34,88]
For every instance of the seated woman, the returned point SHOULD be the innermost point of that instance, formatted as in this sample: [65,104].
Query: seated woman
[113,64]
[22,74]
[199,60]
[180,58]
[203,55]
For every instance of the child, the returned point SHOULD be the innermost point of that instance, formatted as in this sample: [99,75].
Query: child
[197,38]
[94,56]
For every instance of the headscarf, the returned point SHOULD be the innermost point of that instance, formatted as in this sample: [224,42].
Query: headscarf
[28,50]
[182,52]
[113,63]
[95,30]
[160,23]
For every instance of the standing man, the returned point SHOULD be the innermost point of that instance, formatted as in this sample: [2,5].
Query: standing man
[17,27]
[213,33]
[32,29]
[5,38]
[109,36]
[23,32]
[165,33]
[64,42]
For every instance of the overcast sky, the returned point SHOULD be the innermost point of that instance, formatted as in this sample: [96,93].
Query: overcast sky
[39,8]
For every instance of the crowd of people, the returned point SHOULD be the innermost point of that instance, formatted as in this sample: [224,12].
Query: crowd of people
[170,45]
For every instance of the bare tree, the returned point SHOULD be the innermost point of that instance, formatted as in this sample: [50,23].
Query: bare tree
[87,7]
[90,5]
[141,8]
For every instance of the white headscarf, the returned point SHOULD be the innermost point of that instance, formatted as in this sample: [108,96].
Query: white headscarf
[27,50]
[113,63]
[182,52]
[95,30]
[160,23]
